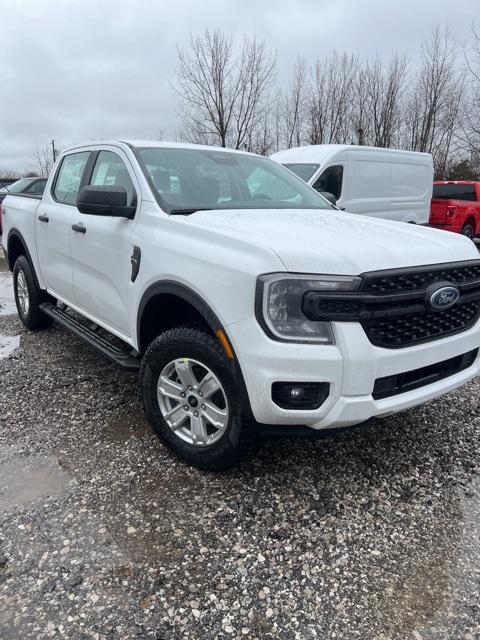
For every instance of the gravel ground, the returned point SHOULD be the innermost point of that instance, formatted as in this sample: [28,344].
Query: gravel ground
[372,533]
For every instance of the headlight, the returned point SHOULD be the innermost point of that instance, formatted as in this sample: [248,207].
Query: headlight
[279,305]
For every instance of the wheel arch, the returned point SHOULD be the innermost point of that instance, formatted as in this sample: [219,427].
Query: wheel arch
[16,246]
[152,302]
[472,220]
[171,303]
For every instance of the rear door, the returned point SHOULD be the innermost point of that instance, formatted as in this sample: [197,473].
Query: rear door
[53,225]
[101,249]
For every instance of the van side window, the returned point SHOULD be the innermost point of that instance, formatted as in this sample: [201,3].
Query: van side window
[69,176]
[110,170]
[331,180]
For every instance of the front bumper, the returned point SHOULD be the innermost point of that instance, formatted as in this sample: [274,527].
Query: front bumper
[350,366]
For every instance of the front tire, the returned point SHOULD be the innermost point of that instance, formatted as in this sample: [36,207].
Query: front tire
[192,401]
[28,297]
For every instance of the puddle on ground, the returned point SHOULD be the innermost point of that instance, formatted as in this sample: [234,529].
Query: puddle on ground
[26,480]
[128,426]
[7,301]
[8,344]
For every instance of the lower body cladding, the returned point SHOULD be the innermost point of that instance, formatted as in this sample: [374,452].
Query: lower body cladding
[363,380]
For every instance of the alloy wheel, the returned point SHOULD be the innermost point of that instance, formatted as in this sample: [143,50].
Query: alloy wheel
[22,293]
[193,402]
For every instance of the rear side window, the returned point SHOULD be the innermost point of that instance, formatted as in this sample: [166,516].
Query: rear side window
[69,176]
[36,187]
[331,181]
[454,192]
[110,170]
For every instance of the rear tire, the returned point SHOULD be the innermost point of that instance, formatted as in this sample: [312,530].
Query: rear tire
[202,424]
[468,231]
[28,297]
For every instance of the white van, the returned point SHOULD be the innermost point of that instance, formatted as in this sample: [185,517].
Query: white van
[385,183]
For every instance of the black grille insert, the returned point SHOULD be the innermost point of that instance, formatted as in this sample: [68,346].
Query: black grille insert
[393,306]
[410,380]
[416,279]
[415,328]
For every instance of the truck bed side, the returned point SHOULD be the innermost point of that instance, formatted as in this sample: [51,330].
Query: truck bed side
[18,218]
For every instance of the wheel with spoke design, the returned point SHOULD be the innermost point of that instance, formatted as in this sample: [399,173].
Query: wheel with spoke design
[28,296]
[192,401]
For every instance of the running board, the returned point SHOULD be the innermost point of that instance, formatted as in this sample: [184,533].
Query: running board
[120,356]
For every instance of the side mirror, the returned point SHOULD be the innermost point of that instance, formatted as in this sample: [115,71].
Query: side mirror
[329,196]
[104,201]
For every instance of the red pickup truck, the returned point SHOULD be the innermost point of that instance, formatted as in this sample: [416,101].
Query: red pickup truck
[456,207]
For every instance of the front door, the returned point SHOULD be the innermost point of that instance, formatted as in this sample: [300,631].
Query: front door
[101,249]
[53,226]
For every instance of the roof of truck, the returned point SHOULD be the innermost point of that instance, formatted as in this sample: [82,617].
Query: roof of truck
[154,144]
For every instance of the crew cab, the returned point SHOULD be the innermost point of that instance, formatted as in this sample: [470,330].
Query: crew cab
[243,298]
[456,207]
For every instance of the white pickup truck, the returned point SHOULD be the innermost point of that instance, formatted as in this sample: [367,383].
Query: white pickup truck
[241,295]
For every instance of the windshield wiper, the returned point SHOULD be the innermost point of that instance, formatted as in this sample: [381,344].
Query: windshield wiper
[187,212]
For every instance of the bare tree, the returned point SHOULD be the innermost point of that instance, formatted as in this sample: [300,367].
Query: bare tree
[437,85]
[222,92]
[331,102]
[42,159]
[471,128]
[384,91]
[294,105]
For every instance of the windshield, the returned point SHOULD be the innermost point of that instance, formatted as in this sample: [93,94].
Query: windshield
[188,180]
[303,171]
[16,187]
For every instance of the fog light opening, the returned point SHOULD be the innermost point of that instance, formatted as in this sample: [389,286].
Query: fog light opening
[300,395]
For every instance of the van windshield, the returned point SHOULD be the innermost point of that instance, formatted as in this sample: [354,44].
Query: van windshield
[189,180]
[303,171]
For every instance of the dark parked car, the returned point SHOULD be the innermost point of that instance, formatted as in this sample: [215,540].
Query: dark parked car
[5,182]
[26,186]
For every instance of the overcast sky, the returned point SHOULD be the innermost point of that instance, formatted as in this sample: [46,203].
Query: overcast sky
[76,70]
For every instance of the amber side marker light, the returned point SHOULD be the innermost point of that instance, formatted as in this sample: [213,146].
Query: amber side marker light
[222,338]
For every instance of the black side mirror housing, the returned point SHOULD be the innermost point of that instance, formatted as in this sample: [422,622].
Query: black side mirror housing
[104,201]
[329,196]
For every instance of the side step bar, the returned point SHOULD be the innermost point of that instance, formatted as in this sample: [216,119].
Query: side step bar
[119,356]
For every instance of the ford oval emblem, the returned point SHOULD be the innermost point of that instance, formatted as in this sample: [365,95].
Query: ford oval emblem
[444,297]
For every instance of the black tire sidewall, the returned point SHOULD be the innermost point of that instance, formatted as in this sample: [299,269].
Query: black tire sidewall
[198,345]
[471,233]
[34,319]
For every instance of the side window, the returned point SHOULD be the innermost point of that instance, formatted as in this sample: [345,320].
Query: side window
[110,170]
[69,176]
[331,181]
[36,187]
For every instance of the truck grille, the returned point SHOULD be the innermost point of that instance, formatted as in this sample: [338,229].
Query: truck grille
[393,308]
[412,328]
[414,280]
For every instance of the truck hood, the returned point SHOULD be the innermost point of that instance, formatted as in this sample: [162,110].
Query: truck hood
[333,242]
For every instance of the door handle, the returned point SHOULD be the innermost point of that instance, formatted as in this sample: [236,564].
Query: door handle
[43,218]
[79,228]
